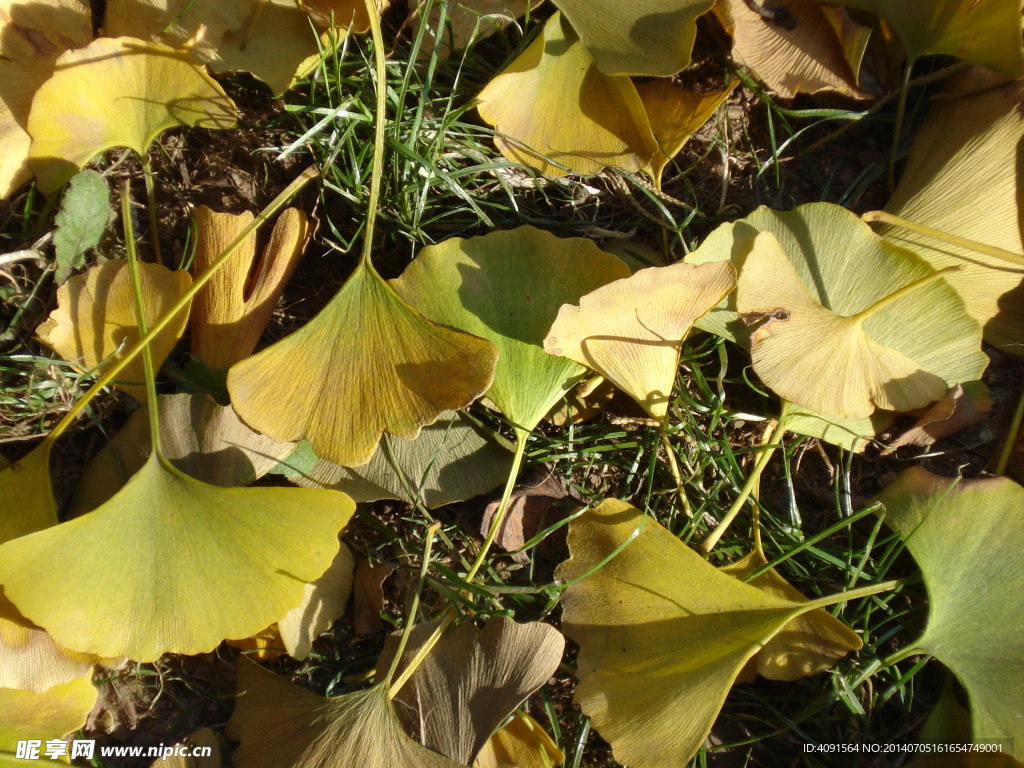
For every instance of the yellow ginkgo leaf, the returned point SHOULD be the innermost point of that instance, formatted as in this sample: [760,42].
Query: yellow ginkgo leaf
[554,110]
[631,331]
[323,603]
[26,494]
[368,363]
[18,84]
[986,32]
[522,743]
[846,366]
[663,634]
[809,644]
[231,311]
[639,37]
[961,178]
[196,564]
[95,318]
[796,52]
[118,92]
[347,14]
[272,39]
[51,714]
[281,725]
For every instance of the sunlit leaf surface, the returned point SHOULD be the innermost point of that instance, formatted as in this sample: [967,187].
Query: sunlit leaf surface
[48,715]
[522,743]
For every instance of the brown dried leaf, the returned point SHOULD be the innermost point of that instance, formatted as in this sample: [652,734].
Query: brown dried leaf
[956,411]
[368,595]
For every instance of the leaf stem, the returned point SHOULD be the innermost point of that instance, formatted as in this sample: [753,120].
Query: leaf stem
[767,451]
[944,237]
[140,316]
[856,594]
[896,295]
[154,224]
[380,120]
[1011,436]
[197,284]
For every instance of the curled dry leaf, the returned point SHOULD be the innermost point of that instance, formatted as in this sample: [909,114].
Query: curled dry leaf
[471,680]
[953,413]
[641,37]
[522,743]
[52,714]
[453,459]
[95,318]
[196,564]
[986,32]
[117,92]
[231,311]
[794,50]
[961,178]
[272,39]
[204,440]
[534,506]
[662,633]
[32,35]
[967,537]
[368,596]
[366,364]
[631,331]
[507,287]
[280,725]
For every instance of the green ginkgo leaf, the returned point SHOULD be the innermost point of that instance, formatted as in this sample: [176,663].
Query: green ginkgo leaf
[195,564]
[986,32]
[663,634]
[51,714]
[967,536]
[117,92]
[961,178]
[280,725]
[366,364]
[507,287]
[453,459]
[631,331]
[639,37]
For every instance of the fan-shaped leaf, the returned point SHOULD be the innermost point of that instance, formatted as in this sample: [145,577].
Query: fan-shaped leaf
[522,743]
[967,537]
[507,287]
[48,715]
[117,93]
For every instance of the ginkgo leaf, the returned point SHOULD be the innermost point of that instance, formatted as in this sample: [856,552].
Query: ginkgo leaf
[507,287]
[347,14]
[272,39]
[18,84]
[675,114]
[196,564]
[95,318]
[631,331]
[641,37]
[986,32]
[471,680]
[453,459]
[663,634]
[522,743]
[846,366]
[796,51]
[118,92]
[190,752]
[967,536]
[231,311]
[961,178]
[809,644]
[51,714]
[554,110]
[26,494]
[281,725]
[824,245]
[852,434]
[468,21]
[366,364]
[204,440]
[323,603]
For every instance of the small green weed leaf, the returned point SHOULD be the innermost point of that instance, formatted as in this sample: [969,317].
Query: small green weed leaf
[281,725]
[662,633]
[632,330]
[471,680]
[986,32]
[51,714]
[117,92]
[81,221]
[641,37]
[961,179]
[453,459]
[507,287]
[967,536]
[195,564]
[204,440]
[368,363]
